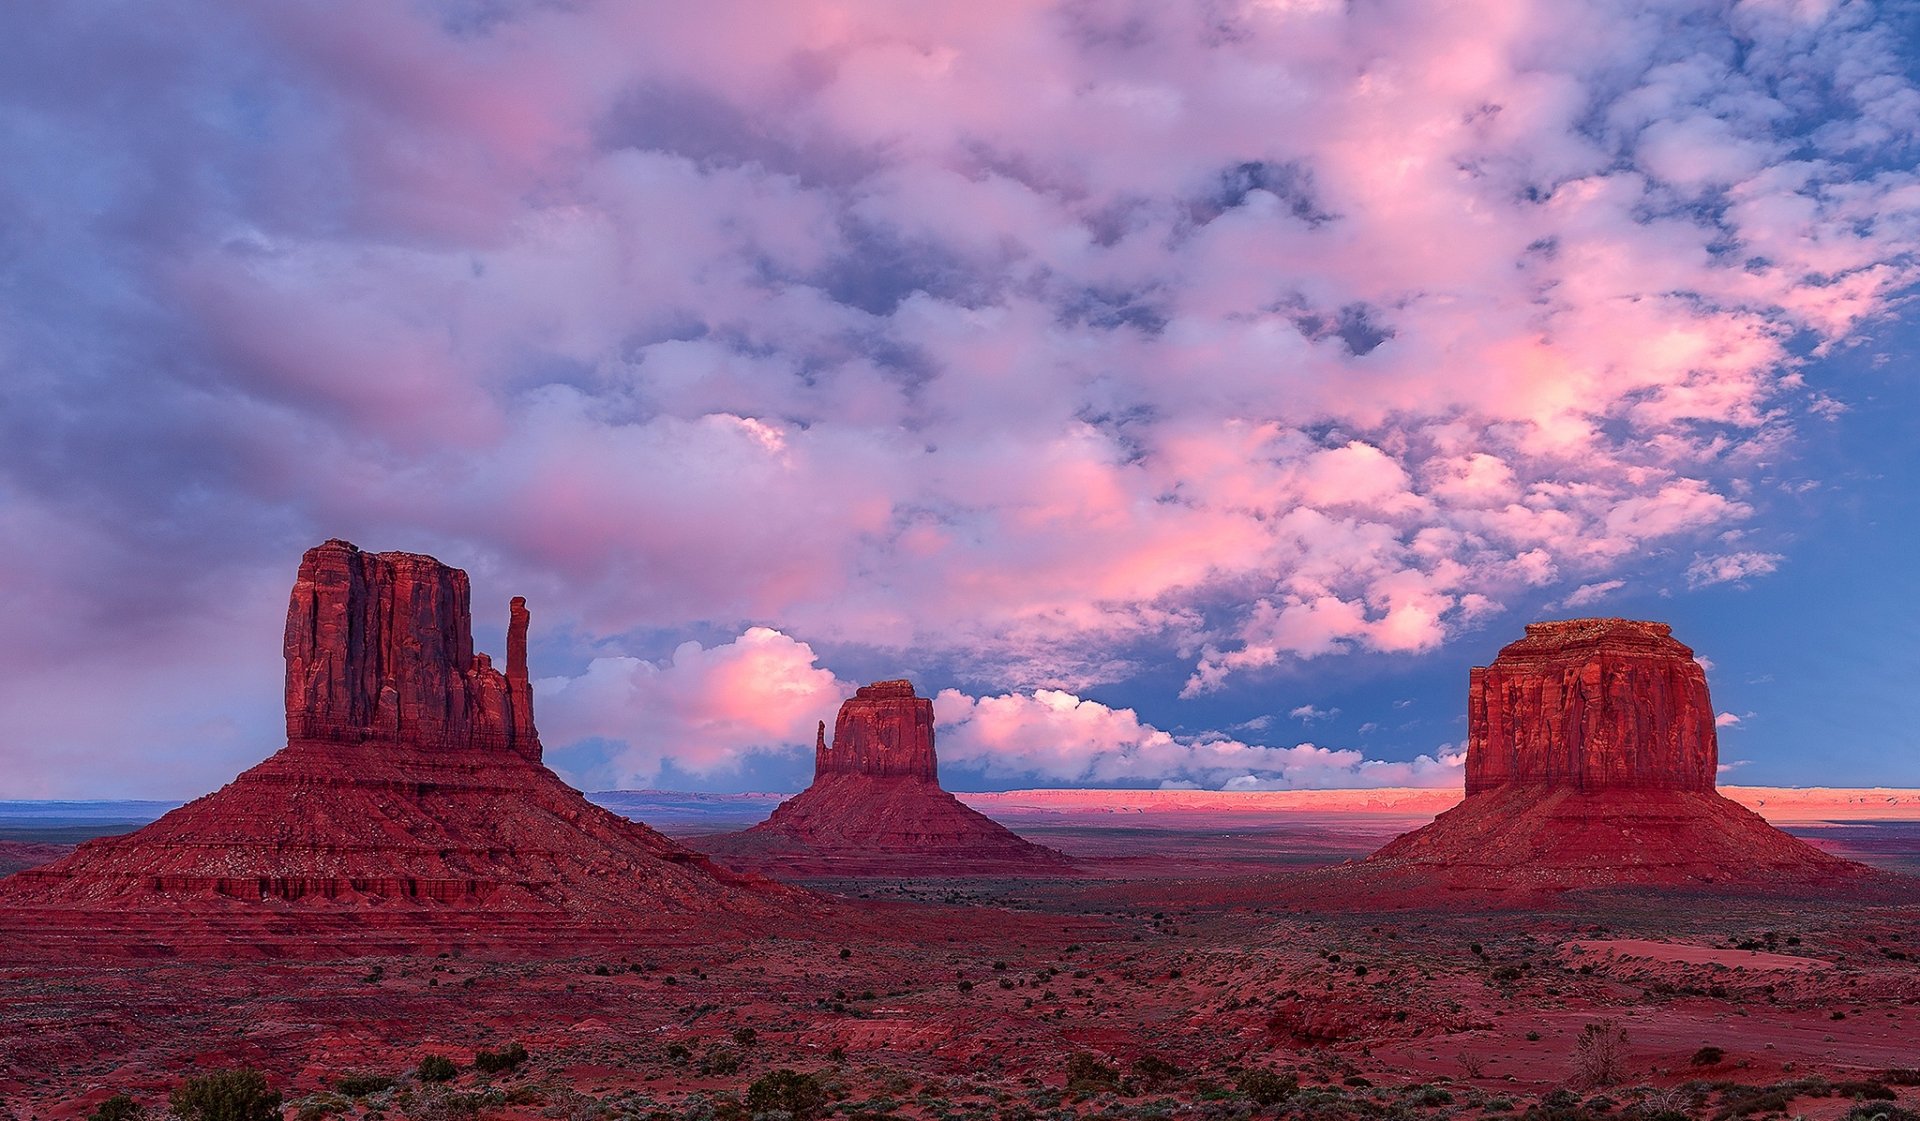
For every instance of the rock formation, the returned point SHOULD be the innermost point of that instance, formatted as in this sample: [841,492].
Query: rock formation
[379,646]
[876,806]
[1591,756]
[411,786]
[1591,704]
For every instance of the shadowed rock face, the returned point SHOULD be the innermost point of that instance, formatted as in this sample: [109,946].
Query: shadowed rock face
[1592,704]
[380,646]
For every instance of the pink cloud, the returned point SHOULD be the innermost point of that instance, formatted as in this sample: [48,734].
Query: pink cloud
[1056,736]
[705,709]
[1013,336]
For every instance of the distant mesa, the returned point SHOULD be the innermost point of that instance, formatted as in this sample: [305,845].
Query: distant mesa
[876,807]
[411,786]
[1591,758]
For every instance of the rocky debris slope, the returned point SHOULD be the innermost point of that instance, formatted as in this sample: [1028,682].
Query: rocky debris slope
[410,788]
[876,806]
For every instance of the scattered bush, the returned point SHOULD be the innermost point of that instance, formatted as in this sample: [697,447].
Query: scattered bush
[507,1058]
[1708,1056]
[1267,1087]
[803,1097]
[436,1068]
[1872,1112]
[720,1061]
[1086,1074]
[120,1107]
[1599,1054]
[745,1037]
[360,1085]
[226,1095]
[1151,1072]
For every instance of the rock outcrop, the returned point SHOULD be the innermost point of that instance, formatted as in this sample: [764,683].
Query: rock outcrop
[411,788]
[1591,756]
[876,807]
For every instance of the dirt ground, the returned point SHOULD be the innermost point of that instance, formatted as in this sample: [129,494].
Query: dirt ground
[1065,998]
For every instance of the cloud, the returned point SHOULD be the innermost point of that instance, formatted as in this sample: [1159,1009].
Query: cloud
[1730,568]
[1234,338]
[1726,720]
[1054,736]
[704,709]
[1308,713]
[1592,593]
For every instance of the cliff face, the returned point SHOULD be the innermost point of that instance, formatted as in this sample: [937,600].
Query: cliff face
[380,646]
[1591,704]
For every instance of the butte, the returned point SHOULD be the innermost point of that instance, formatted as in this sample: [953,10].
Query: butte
[876,806]
[1591,759]
[410,807]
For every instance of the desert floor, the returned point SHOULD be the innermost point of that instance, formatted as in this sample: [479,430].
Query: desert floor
[1173,978]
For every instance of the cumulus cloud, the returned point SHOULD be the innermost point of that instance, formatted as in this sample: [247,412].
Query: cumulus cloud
[1726,720]
[1592,593]
[1729,568]
[1028,338]
[706,708]
[1055,736]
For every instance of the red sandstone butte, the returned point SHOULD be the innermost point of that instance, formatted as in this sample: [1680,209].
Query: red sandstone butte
[1591,704]
[876,807]
[1591,756]
[411,788]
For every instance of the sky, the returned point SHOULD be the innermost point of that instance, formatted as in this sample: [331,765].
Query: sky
[1181,394]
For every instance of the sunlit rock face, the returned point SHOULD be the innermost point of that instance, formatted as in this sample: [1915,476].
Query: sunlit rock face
[1591,704]
[411,789]
[876,805]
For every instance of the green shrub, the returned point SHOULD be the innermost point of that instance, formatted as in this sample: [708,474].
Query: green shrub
[119,1107]
[801,1096]
[507,1058]
[436,1068]
[1708,1056]
[1267,1087]
[226,1095]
